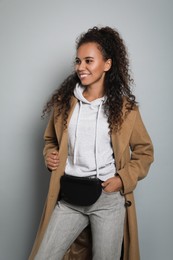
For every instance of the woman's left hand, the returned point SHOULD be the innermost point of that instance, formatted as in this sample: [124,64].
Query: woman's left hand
[113,184]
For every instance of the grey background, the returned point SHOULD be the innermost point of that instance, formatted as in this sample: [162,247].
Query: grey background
[37,47]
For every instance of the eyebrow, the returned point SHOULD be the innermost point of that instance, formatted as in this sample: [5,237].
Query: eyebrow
[88,57]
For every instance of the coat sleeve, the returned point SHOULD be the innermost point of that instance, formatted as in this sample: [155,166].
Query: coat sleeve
[141,156]
[50,138]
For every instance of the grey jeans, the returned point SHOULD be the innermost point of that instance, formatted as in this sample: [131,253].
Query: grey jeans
[106,217]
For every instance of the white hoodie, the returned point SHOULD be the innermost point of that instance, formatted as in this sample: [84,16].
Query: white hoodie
[89,145]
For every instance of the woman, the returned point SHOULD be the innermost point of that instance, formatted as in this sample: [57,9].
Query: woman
[95,132]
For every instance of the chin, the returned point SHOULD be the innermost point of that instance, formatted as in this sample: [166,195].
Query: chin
[84,83]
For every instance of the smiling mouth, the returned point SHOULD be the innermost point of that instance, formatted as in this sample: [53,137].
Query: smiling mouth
[83,76]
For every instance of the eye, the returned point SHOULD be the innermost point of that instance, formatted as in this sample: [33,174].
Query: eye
[77,61]
[88,61]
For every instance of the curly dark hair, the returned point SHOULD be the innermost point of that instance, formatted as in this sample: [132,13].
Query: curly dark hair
[117,83]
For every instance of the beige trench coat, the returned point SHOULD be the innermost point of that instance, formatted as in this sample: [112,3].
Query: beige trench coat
[133,151]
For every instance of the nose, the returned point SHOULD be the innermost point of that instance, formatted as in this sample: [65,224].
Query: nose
[80,66]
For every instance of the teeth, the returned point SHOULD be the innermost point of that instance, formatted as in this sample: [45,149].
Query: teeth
[83,75]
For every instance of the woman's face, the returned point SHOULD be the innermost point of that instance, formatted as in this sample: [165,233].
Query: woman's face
[90,65]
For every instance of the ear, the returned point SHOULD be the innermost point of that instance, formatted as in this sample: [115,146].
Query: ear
[108,65]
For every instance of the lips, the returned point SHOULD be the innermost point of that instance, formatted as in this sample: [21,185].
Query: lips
[83,75]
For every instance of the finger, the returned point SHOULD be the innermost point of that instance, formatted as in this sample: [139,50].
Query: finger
[108,188]
[105,183]
[52,168]
[53,157]
[54,153]
[53,164]
[52,160]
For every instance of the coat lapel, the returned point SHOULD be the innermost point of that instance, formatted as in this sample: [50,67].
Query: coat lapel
[120,140]
[63,136]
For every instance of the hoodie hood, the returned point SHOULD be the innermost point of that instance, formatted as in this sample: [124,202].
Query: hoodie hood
[78,92]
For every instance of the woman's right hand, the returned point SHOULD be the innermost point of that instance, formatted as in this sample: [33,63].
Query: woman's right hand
[52,160]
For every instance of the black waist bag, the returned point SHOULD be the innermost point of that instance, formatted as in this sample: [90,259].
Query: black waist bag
[81,191]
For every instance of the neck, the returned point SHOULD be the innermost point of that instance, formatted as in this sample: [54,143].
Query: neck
[93,93]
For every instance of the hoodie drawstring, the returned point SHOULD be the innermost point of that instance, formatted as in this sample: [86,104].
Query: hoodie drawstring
[76,133]
[96,140]
[96,136]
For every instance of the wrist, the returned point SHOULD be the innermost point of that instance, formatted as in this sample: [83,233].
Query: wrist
[120,180]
